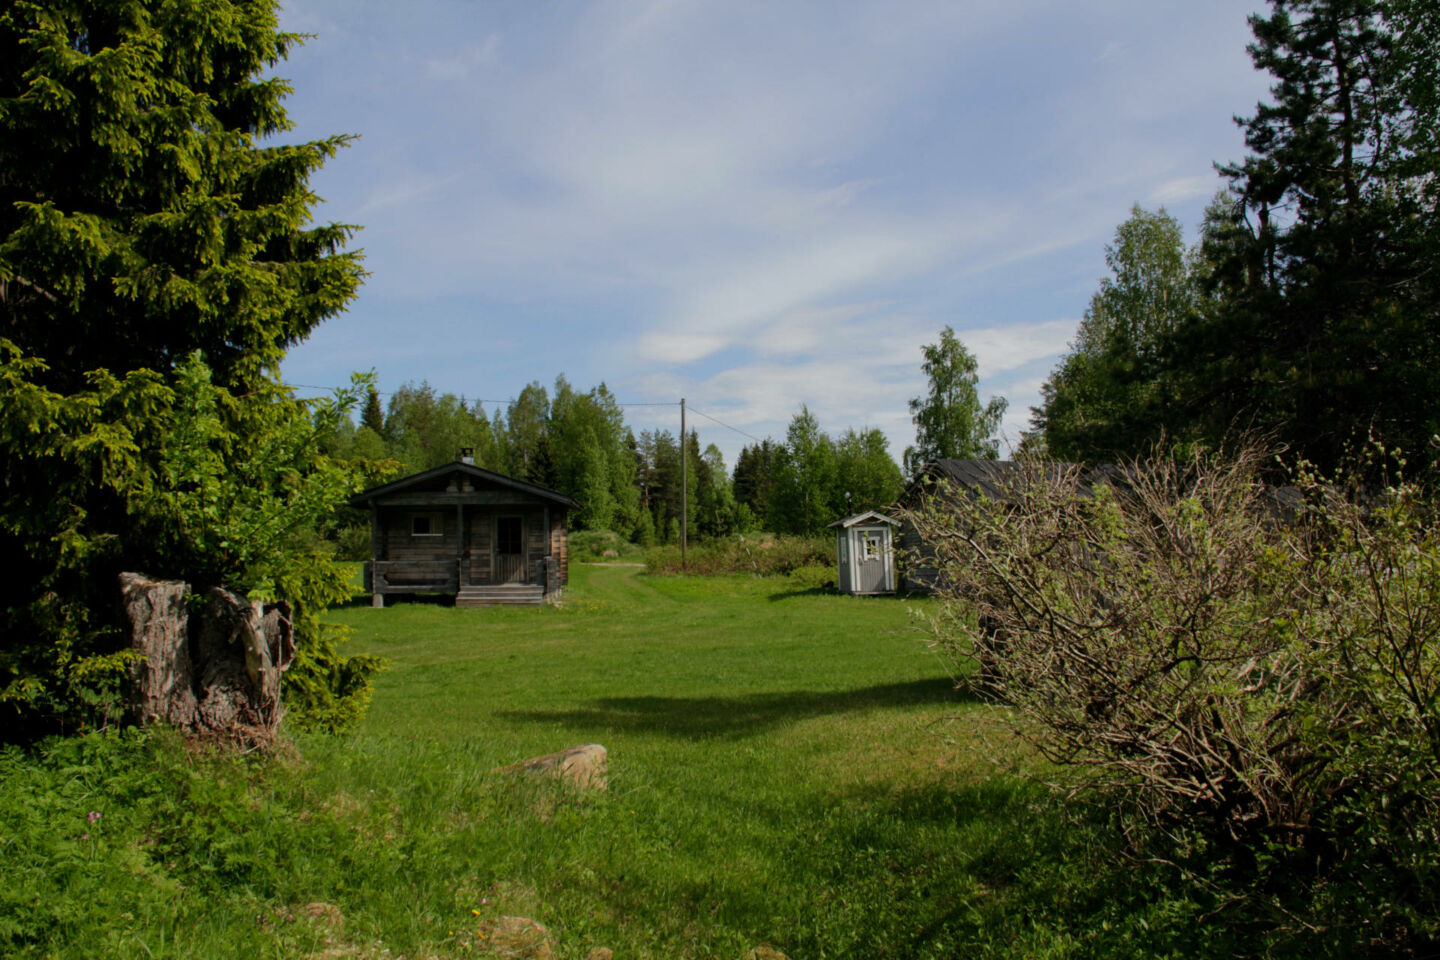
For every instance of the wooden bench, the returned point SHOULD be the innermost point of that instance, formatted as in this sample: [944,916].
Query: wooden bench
[411,576]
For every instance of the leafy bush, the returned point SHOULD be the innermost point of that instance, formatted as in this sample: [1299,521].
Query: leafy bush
[600,545]
[1256,672]
[763,555]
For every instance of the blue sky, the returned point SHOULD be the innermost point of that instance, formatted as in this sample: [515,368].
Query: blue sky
[751,205]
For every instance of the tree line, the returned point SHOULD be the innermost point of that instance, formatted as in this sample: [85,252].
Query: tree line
[579,444]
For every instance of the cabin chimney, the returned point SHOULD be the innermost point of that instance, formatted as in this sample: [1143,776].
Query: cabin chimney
[467,455]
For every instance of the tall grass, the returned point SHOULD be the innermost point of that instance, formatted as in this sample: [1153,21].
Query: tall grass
[762,554]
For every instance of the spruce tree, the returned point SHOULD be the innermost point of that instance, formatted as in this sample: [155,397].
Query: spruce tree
[144,213]
[372,416]
[156,260]
[1326,322]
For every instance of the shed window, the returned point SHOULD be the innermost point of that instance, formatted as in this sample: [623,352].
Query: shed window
[872,546]
[427,525]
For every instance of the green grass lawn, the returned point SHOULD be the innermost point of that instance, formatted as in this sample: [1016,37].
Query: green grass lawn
[787,767]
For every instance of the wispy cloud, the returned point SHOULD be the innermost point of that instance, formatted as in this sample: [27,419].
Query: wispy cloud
[755,205]
[1184,188]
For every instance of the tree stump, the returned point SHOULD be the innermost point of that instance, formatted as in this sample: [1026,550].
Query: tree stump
[214,671]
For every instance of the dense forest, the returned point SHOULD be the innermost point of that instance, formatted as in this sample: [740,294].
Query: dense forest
[1306,312]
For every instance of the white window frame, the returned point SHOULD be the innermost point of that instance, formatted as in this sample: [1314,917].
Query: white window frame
[874,549]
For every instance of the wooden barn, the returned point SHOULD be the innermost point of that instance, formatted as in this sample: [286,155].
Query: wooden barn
[481,537]
[865,553]
[971,478]
[943,478]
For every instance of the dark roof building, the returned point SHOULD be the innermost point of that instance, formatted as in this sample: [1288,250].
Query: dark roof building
[995,479]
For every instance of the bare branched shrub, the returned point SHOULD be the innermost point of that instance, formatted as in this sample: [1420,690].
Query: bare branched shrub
[1260,665]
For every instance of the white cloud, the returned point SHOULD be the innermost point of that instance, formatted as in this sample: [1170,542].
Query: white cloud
[1002,349]
[857,366]
[740,306]
[1183,188]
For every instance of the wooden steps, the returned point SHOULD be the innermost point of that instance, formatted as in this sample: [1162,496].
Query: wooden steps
[473,595]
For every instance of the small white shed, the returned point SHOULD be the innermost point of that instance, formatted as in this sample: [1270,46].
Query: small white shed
[865,553]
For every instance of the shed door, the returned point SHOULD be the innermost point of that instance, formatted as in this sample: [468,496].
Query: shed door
[870,560]
[510,550]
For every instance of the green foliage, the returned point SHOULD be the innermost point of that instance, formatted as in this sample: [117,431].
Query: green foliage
[424,430]
[208,487]
[1309,310]
[813,480]
[802,492]
[71,457]
[867,477]
[527,441]
[588,546]
[950,421]
[372,417]
[592,459]
[1317,323]
[754,477]
[717,513]
[239,482]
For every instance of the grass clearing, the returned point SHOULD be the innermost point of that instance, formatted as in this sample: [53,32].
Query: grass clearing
[787,767]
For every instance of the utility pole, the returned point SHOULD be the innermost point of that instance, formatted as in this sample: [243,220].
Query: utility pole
[684,488]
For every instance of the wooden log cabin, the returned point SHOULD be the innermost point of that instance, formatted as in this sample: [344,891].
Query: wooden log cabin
[458,529]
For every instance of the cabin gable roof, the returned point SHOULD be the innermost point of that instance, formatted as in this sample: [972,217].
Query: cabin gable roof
[868,518]
[436,481]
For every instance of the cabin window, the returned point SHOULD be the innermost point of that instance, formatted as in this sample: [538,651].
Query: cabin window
[508,531]
[872,546]
[427,525]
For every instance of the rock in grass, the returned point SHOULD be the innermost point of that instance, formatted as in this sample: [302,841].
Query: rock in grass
[583,766]
[765,952]
[516,938]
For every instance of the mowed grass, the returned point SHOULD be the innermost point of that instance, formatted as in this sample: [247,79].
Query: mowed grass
[787,767]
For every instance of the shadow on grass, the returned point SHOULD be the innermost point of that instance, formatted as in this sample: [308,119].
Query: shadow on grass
[995,868]
[363,599]
[825,591]
[701,718]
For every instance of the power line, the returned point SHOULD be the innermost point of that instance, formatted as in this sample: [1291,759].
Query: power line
[726,425]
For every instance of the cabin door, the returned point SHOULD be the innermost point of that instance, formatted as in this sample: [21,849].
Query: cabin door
[510,562]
